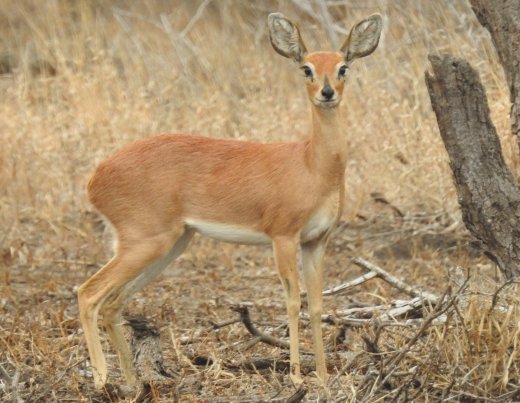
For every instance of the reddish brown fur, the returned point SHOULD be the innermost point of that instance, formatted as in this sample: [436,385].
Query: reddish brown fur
[326,68]
[325,62]
[267,187]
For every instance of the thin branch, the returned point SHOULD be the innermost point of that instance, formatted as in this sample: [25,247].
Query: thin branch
[328,24]
[494,301]
[243,311]
[441,308]
[358,322]
[394,281]
[219,325]
[4,373]
[195,18]
[345,368]
[298,395]
[345,287]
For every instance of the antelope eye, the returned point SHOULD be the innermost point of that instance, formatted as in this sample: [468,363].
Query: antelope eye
[342,71]
[307,71]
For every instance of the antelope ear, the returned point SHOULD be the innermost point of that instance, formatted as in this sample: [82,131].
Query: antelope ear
[285,37]
[363,38]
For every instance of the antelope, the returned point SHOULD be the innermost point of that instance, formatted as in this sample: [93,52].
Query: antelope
[158,191]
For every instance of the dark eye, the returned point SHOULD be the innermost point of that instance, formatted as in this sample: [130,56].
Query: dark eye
[307,71]
[342,71]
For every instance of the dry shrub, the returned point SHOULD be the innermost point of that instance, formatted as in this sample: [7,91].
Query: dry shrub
[472,357]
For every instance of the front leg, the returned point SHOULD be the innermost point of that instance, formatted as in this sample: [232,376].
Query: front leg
[285,257]
[312,258]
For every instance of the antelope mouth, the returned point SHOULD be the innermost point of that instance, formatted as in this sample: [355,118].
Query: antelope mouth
[326,104]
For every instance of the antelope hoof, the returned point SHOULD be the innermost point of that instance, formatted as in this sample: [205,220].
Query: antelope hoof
[296,379]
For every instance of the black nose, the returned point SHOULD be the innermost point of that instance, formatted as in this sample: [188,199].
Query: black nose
[327,92]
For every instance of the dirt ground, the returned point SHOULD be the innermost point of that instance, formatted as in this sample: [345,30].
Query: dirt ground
[197,292]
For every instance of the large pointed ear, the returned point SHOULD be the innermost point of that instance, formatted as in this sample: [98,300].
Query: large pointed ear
[363,38]
[285,37]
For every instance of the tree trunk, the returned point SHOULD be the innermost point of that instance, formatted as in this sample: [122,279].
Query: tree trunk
[488,194]
[489,197]
[502,19]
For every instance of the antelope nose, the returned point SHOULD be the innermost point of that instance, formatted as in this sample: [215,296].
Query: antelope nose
[327,92]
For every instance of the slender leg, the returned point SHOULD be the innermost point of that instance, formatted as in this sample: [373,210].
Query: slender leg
[108,286]
[113,305]
[312,258]
[88,313]
[285,258]
[112,320]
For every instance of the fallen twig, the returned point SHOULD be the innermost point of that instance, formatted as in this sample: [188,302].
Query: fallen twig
[298,395]
[219,325]
[361,322]
[243,311]
[345,287]
[395,309]
[345,367]
[498,291]
[394,281]
[4,373]
[392,363]
[402,307]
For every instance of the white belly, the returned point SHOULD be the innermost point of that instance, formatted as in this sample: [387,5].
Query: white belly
[228,232]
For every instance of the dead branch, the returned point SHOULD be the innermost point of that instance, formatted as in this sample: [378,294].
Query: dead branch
[496,295]
[403,307]
[360,322]
[4,373]
[344,288]
[392,363]
[373,272]
[219,325]
[395,309]
[243,311]
[298,395]
[394,281]
[345,368]
[279,364]
[251,343]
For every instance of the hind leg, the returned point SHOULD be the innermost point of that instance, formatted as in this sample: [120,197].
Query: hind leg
[132,260]
[112,307]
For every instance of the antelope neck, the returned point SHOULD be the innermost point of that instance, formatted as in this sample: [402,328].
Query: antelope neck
[328,147]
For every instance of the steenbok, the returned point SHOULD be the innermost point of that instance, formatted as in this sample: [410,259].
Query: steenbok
[158,191]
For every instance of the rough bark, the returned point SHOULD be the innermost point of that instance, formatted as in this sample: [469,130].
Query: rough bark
[502,19]
[146,350]
[488,194]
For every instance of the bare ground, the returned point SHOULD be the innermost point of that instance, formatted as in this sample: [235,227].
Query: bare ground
[194,295]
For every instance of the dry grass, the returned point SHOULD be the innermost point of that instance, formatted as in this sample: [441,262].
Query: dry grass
[79,79]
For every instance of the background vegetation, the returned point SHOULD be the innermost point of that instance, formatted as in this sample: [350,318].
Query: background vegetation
[80,79]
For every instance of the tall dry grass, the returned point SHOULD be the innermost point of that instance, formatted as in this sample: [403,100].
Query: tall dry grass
[79,79]
[125,71]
